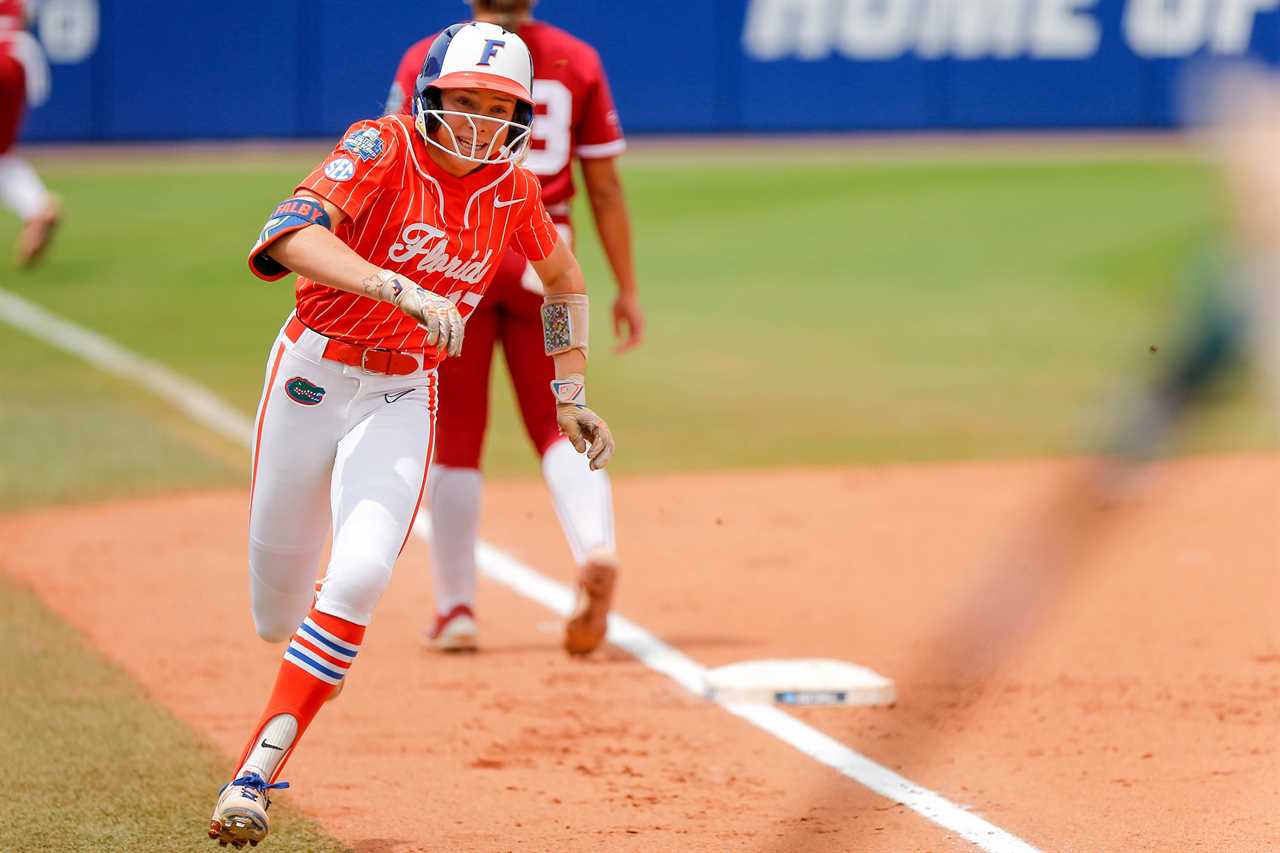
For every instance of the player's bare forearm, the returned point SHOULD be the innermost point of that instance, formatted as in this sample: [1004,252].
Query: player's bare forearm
[613,223]
[569,363]
[320,256]
[560,272]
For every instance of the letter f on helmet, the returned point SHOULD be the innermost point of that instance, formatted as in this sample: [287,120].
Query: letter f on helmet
[490,50]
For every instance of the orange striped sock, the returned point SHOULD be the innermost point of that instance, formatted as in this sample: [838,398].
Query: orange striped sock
[314,665]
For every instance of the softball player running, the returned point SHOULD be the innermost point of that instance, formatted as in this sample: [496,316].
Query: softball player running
[395,238]
[575,118]
[20,187]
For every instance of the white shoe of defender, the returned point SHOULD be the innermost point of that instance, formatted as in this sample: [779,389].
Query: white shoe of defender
[455,631]
[240,815]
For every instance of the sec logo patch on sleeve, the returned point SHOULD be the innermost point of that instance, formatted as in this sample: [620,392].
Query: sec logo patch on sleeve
[341,169]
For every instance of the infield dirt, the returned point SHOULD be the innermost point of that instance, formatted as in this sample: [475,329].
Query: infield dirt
[1144,715]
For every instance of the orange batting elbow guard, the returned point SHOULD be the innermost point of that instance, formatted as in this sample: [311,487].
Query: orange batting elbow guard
[565,320]
[290,215]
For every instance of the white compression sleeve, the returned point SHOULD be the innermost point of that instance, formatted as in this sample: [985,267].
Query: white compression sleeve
[454,495]
[21,189]
[583,500]
[273,742]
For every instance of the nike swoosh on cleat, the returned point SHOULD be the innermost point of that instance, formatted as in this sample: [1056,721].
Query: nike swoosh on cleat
[391,398]
[497,202]
[270,745]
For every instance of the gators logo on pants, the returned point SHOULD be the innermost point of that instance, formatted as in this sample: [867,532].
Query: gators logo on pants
[304,392]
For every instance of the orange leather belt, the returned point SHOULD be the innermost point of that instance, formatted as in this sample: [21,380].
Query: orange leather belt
[370,359]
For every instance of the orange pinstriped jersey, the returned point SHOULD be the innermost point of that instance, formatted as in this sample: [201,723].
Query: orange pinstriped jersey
[406,214]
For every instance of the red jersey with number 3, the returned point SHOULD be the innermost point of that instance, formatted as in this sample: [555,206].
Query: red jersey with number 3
[406,214]
[574,112]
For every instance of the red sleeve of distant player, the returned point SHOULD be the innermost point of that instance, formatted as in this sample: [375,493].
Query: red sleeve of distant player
[598,126]
[364,164]
[401,98]
[12,19]
[536,236]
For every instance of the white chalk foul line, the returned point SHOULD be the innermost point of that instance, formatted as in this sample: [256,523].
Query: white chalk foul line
[206,408]
[200,404]
[689,674]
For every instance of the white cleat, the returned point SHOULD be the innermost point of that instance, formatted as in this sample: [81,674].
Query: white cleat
[240,816]
[455,631]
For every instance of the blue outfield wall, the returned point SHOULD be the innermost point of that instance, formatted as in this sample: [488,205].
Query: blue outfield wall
[149,69]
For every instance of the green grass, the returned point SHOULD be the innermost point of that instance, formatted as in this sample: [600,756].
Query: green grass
[829,313]
[92,764]
[74,434]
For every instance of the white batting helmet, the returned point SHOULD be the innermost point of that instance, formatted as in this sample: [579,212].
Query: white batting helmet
[477,55]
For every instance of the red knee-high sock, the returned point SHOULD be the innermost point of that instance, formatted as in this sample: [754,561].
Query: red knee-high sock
[314,664]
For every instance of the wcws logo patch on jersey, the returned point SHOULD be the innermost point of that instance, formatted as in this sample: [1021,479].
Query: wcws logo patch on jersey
[431,243]
[365,144]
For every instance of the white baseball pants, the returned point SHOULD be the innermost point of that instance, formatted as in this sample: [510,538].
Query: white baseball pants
[336,448]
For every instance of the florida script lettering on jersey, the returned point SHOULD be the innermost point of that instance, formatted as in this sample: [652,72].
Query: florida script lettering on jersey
[422,239]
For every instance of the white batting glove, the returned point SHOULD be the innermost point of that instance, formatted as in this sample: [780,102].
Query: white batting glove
[438,315]
[586,431]
[581,425]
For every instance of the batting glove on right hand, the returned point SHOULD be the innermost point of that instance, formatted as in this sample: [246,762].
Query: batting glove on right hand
[438,315]
[581,425]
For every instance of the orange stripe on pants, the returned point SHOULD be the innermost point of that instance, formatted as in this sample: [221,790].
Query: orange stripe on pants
[262,416]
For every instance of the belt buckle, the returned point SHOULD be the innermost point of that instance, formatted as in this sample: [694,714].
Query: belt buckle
[364,355]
